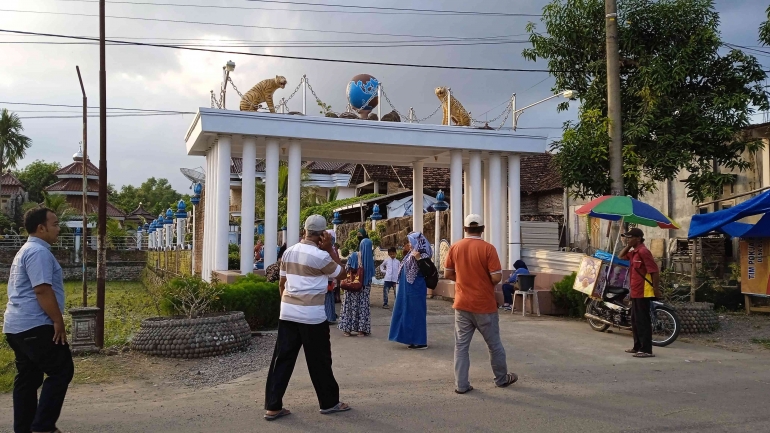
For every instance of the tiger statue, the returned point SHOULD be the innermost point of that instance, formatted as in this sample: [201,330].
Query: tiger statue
[262,92]
[458,115]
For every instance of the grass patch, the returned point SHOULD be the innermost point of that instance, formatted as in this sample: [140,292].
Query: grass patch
[126,304]
[764,342]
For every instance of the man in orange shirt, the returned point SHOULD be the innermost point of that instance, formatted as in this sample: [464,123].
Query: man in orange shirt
[475,268]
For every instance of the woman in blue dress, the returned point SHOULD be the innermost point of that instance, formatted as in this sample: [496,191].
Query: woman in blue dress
[409,325]
[355,315]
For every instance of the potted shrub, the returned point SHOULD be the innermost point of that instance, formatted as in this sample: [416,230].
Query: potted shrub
[192,331]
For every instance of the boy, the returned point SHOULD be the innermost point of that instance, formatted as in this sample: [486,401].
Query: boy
[390,267]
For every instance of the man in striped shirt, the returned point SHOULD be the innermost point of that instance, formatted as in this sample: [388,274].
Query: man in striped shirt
[305,272]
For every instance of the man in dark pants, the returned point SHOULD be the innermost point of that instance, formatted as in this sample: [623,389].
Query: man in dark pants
[305,272]
[645,287]
[34,327]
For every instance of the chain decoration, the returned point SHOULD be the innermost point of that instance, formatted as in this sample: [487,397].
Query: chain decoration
[230,79]
[385,95]
[504,112]
[317,99]
[214,101]
[428,117]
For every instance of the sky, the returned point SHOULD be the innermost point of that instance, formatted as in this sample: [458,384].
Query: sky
[164,79]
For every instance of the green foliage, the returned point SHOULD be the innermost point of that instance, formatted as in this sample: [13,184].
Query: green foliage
[764,29]
[351,243]
[564,296]
[189,296]
[13,144]
[233,257]
[375,237]
[259,300]
[327,209]
[325,108]
[684,97]
[723,298]
[36,176]
[5,223]
[156,196]
[344,251]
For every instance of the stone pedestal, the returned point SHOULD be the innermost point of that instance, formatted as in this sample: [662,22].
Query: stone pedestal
[83,330]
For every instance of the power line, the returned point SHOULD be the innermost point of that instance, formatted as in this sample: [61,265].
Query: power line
[109,108]
[315,59]
[96,115]
[392,11]
[382,9]
[268,45]
[235,25]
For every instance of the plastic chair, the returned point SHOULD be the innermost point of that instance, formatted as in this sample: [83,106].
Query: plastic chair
[527,289]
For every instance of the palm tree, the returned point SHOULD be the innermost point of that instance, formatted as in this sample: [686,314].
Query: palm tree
[13,144]
[58,204]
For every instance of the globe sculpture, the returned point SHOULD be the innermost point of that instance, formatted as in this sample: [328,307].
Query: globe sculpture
[362,94]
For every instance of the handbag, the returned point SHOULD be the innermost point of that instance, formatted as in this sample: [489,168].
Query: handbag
[353,281]
[429,272]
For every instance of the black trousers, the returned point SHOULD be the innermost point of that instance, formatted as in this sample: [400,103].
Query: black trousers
[36,354]
[641,324]
[318,355]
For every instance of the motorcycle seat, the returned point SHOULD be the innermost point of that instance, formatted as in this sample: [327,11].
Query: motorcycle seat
[616,290]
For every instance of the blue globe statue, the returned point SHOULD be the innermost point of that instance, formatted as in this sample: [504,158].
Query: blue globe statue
[362,93]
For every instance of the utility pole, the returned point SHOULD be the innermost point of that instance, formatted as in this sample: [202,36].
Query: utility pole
[101,253]
[613,97]
[83,237]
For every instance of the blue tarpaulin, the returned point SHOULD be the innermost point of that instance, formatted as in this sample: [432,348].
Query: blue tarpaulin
[725,221]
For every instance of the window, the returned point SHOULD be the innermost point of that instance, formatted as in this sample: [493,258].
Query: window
[703,210]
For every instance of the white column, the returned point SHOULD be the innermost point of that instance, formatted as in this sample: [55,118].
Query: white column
[272,156]
[295,183]
[222,228]
[436,239]
[476,183]
[138,240]
[456,195]
[485,198]
[180,223]
[248,186]
[514,212]
[417,199]
[493,199]
[78,254]
[208,216]
[466,191]
[503,221]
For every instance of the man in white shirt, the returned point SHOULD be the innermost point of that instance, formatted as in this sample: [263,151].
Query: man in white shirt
[305,271]
[389,267]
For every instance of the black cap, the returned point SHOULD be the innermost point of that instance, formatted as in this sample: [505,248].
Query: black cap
[633,233]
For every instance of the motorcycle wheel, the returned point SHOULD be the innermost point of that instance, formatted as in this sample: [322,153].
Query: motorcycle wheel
[594,324]
[665,326]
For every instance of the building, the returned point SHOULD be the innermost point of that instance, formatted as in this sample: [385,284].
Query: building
[12,194]
[70,185]
[140,216]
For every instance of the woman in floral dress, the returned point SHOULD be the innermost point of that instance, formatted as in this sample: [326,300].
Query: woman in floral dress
[356,315]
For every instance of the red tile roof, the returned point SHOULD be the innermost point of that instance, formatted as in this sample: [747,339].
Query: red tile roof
[141,212]
[236,166]
[76,168]
[538,174]
[74,185]
[433,177]
[92,206]
[9,184]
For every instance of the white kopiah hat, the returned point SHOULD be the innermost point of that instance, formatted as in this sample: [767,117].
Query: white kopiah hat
[315,223]
[474,220]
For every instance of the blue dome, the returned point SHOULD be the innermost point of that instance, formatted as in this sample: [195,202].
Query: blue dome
[169,213]
[198,188]
[182,205]
[337,220]
[362,92]
[376,215]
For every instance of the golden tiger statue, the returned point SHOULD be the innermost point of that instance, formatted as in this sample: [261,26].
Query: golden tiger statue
[458,115]
[262,92]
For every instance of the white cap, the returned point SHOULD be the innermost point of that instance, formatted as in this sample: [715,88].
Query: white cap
[474,220]
[315,223]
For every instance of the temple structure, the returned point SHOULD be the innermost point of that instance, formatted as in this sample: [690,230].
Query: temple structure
[488,160]
[70,185]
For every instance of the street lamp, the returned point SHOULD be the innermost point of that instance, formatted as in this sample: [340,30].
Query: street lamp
[568,94]
[226,69]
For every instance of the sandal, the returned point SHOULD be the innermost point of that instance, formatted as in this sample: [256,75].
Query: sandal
[631,351]
[339,407]
[346,334]
[470,388]
[275,416]
[643,355]
[363,334]
[511,379]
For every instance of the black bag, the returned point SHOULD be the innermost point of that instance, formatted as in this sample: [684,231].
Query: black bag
[429,272]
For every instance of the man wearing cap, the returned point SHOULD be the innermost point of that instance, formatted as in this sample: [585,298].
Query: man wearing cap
[305,272]
[645,283]
[475,268]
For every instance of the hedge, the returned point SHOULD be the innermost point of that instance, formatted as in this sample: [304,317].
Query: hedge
[259,300]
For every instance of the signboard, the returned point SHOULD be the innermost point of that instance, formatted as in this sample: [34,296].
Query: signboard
[755,272]
[587,275]
[618,277]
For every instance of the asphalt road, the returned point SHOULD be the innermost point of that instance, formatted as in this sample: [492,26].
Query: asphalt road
[572,379]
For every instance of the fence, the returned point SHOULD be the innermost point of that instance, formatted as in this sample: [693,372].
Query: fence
[67,242]
[170,263]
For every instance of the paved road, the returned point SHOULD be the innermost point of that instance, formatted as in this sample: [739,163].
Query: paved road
[571,380]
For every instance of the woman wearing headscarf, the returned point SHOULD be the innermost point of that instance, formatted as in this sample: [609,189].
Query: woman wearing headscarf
[408,325]
[519,268]
[331,312]
[356,315]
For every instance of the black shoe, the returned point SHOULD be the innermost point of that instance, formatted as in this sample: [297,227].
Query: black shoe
[385,306]
[417,346]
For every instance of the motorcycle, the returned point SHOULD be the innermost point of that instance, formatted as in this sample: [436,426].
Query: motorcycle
[613,311]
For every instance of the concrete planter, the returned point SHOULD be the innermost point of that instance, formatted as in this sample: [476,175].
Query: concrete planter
[697,317]
[83,330]
[212,335]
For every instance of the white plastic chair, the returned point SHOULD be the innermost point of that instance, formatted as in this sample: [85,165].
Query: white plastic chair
[524,294]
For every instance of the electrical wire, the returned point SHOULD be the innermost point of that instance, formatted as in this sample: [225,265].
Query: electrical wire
[109,108]
[383,45]
[382,9]
[315,59]
[342,32]
[391,11]
[96,115]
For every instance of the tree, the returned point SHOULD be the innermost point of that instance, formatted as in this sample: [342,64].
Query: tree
[36,177]
[308,195]
[13,144]
[764,29]
[683,103]
[156,195]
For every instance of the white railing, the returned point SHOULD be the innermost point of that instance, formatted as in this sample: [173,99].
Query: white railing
[67,242]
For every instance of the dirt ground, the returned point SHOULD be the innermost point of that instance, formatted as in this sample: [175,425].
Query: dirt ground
[737,332]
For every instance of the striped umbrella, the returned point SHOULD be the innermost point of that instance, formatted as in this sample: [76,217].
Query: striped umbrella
[630,210]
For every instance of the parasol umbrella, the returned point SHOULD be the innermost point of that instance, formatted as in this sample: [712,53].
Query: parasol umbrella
[626,209]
